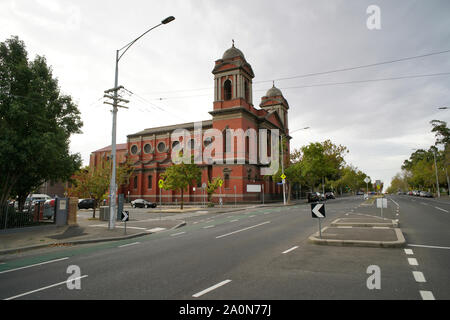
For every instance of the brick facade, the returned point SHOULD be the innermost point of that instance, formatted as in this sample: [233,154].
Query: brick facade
[150,149]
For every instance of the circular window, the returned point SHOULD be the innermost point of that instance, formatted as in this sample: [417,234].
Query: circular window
[161,147]
[134,149]
[148,148]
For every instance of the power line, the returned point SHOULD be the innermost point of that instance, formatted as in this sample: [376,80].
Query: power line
[331,84]
[357,67]
[323,72]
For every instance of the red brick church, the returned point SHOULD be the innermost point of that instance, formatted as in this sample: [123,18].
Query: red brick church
[150,149]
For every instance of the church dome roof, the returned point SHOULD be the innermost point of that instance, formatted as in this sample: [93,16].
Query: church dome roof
[232,53]
[273,92]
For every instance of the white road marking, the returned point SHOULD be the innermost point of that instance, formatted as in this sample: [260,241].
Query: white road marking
[208,227]
[427,295]
[413,261]
[383,228]
[128,244]
[44,288]
[291,249]
[34,265]
[235,220]
[199,294]
[252,216]
[418,276]
[345,227]
[441,209]
[395,203]
[409,251]
[425,204]
[156,229]
[431,247]
[177,234]
[228,234]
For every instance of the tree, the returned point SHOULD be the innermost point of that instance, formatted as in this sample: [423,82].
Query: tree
[213,185]
[93,182]
[180,176]
[36,122]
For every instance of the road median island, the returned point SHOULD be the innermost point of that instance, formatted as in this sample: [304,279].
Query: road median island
[365,221]
[360,237]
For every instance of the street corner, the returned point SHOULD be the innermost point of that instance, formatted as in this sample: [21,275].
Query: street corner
[382,237]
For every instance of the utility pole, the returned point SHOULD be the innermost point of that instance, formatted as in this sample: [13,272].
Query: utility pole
[115,97]
[437,180]
[282,171]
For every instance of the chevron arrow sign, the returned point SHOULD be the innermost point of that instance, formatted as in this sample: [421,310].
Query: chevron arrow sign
[318,210]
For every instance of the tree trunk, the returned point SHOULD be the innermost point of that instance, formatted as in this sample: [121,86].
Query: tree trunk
[182,198]
[93,212]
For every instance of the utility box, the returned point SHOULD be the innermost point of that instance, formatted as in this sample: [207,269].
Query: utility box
[61,211]
[104,213]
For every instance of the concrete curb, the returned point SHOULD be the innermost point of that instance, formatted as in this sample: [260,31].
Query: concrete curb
[399,243]
[86,241]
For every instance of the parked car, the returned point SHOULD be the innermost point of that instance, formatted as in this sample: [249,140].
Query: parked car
[313,196]
[141,203]
[49,208]
[33,199]
[359,193]
[86,204]
[329,195]
[428,195]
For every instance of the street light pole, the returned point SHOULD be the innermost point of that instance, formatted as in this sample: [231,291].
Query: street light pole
[113,186]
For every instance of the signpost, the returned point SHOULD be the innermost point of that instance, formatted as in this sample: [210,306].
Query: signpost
[220,185]
[125,217]
[283,180]
[204,193]
[160,185]
[318,212]
[382,203]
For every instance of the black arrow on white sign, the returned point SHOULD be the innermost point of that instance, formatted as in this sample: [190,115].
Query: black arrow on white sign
[318,210]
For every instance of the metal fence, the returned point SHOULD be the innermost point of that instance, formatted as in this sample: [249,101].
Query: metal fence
[32,215]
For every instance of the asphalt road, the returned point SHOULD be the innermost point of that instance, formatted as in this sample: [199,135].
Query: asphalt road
[259,253]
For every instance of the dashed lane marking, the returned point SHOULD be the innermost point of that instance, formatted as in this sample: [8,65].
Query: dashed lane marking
[248,228]
[418,276]
[34,265]
[177,234]
[44,288]
[413,261]
[129,244]
[427,295]
[441,209]
[430,247]
[290,250]
[220,284]
[409,251]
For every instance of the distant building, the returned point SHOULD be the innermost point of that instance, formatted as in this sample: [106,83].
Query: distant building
[150,149]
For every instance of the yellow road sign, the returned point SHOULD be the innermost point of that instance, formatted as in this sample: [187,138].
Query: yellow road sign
[220,182]
[160,183]
[283,176]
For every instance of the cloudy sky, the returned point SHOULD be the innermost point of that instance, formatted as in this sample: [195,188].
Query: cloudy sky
[169,70]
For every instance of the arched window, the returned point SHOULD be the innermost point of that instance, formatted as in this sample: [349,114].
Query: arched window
[135,182]
[227,90]
[227,180]
[149,182]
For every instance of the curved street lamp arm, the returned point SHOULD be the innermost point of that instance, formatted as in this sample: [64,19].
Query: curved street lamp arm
[126,47]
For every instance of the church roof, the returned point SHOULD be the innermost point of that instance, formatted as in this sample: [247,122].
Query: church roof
[232,53]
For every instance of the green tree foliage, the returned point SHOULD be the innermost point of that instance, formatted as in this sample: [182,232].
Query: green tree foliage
[213,185]
[399,183]
[36,122]
[179,177]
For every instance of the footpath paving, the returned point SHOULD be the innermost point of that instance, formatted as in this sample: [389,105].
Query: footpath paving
[88,230]
[361,230]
